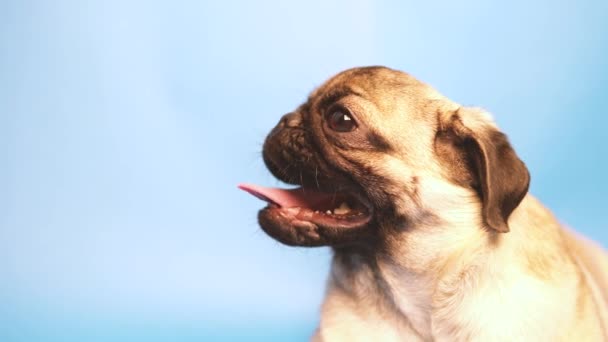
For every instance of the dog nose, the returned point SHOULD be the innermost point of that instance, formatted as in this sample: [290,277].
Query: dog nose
[290,120]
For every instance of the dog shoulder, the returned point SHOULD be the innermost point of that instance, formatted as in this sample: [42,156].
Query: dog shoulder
[592,261]
[530,279]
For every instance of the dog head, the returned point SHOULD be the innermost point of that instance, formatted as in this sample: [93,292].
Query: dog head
[376,152]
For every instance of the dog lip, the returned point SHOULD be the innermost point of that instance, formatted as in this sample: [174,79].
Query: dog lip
[299,214]
[303,227]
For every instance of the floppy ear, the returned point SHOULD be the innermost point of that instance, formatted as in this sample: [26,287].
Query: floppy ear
[496,172]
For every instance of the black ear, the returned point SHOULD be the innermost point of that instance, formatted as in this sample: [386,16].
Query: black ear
[499,176]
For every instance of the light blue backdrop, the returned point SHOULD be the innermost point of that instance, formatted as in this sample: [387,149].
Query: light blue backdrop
[126,125]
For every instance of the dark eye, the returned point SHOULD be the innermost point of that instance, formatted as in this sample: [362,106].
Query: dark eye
[341,121]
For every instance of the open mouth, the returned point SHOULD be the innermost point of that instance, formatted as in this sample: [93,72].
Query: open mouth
[305,204]
[303,216]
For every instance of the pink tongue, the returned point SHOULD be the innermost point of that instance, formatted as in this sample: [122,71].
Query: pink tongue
[298,197]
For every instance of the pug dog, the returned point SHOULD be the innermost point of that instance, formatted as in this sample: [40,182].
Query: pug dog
[425,205]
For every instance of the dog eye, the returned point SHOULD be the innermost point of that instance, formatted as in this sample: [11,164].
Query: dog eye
[341,121]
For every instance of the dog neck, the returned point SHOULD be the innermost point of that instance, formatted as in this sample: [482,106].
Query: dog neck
[423,274]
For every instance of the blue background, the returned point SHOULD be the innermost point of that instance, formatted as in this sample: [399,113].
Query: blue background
[126,125]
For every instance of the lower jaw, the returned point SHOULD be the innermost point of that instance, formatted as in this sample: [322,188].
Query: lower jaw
[302,227]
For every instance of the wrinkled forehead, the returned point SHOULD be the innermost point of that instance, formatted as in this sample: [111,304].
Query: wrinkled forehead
[384,88]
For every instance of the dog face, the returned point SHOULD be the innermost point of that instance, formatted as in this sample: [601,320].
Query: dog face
[376,153]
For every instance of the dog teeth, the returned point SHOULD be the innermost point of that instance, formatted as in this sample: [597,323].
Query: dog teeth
[328,212]
[342,209]
[293,210]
